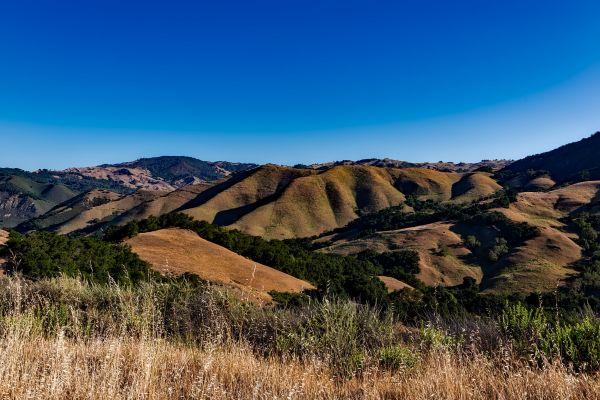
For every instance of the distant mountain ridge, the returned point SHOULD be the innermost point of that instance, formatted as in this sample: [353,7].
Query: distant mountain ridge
[165,173]
[442,166]
[25,195]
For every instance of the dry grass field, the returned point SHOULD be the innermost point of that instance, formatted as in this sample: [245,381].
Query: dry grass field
[119,368]
[123,351]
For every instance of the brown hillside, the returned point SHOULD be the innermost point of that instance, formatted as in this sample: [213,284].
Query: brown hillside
[317,203]
[474,186]
[281,202]
[393,284]
[436,268]
[540,265]
[539,183]
[234,198]
[427,184]
[177,251]
[163,204]
[274,201]
[546,208]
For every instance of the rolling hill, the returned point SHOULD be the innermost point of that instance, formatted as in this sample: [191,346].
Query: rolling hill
[88,209]
[272,201]
[441,166]
[540,263]
[22,198]
[282,202]
[177,251]
[572,162]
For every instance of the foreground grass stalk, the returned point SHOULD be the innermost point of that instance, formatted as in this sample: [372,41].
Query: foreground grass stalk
[64,339]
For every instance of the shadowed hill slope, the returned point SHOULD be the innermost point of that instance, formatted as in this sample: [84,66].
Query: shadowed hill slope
[572,162]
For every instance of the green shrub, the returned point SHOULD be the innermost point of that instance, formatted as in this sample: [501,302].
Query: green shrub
[397,357]
[45,254]
[530,332]
[432,337]
[471,242]
[499,249]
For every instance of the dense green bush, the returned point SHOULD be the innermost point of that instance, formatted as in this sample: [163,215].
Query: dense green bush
[531,331]
[45,254]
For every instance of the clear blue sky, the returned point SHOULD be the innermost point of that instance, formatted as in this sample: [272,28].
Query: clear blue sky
[286,81]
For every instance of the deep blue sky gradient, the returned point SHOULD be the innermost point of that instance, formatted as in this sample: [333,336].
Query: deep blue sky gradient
[88,82]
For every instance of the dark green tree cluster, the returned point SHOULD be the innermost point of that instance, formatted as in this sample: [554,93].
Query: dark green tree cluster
[45,254]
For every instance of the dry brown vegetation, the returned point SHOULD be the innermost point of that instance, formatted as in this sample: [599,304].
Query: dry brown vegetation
[177,251]
[62,339]
[121,368]
[435,268]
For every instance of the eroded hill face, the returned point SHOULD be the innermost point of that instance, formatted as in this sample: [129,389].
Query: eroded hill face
[177,251]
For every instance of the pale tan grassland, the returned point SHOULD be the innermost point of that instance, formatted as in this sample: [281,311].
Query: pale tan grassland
[122,368]
[64,339]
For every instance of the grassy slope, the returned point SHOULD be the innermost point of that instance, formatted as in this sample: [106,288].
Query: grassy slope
[163,204]
[29,198]
[540,264]
[318,203]
[393,284]
[281,202]
[436,268]
[176,251]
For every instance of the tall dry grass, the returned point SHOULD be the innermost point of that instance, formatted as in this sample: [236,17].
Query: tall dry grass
[63,339]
